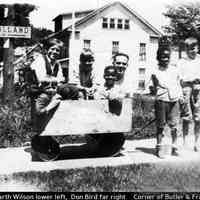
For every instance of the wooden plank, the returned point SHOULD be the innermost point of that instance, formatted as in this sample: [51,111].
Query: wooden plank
[89,116]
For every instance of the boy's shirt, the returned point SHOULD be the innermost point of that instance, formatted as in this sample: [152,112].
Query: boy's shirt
[118,91]
[39,66]
[168,87]
[189,69]
[91,78]
[102,92]
[122,89]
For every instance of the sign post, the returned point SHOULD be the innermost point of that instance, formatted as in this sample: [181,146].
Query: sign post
[9,32]
[8,69]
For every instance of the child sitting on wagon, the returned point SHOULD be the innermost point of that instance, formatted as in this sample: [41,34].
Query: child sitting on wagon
[107,144]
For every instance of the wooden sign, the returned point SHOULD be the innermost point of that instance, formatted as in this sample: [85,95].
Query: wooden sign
[89,117]
[15,31]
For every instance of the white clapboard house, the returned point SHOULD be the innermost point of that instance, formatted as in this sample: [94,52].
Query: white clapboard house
[112,28]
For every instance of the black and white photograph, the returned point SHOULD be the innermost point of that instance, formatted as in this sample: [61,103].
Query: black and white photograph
[99,96]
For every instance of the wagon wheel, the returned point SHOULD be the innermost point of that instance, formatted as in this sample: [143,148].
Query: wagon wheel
[46,148]
[107,144]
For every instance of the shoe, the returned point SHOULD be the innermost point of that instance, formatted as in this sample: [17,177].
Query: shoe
[163,151]
[175,151]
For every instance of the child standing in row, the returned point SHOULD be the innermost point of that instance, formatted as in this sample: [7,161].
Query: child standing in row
[166,84]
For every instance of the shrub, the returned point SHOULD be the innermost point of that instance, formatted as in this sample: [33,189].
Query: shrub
[15,124]
[143,113]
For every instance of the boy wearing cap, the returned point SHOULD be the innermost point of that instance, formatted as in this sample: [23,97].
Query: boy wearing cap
[190,73]
[86,76]
[85,68]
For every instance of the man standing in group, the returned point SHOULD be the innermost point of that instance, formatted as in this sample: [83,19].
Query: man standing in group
[122,86]
[166,84]
[190,73]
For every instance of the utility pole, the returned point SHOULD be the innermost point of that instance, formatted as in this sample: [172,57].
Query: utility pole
[8,59]
[72,62]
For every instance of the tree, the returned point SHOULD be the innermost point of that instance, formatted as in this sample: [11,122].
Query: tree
[184,22]
[12,15]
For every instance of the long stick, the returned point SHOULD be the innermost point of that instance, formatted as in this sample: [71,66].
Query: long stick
[26,54]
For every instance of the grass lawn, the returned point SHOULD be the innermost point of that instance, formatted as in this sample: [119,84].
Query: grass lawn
[132,178]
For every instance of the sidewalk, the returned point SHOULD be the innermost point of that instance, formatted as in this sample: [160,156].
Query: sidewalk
[15,160]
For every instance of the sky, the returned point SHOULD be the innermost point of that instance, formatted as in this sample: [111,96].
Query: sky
[151,10]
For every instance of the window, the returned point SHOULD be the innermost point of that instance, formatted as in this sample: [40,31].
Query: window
[77,35]
[112,23]
[142,53]
[105,23]
[115,47]
[141,85]
[154,40]
[119,24]
[86,44]
[126,24]
[142,73]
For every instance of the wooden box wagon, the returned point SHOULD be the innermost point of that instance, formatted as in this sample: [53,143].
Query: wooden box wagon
[87,117]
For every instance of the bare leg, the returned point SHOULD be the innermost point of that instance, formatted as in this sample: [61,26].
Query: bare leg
[186,113]
[159,135]
[159,138]
[196,105]
[185,132]
[174,141]
[196,135]
[174,136]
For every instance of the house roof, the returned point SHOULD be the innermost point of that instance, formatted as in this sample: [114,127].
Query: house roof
[69,14]
[96,12]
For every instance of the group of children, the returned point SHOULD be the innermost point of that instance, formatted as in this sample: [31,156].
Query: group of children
[48,70]
[177,89]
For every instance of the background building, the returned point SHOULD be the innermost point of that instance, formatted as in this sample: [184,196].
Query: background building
[112,28]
